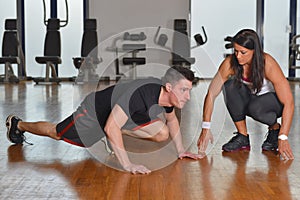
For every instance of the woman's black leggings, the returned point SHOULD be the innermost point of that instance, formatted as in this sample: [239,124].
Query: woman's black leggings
[240,103]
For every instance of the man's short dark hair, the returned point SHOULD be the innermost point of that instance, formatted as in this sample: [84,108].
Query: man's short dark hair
[176,73]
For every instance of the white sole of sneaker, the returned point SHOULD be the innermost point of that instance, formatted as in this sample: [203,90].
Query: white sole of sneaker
[104,140]
[8,126]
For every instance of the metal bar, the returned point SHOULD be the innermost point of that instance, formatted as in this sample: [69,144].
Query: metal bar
[260,20]
[293,25]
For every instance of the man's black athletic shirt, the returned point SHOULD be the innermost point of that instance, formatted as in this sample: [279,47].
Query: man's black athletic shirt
[138,99]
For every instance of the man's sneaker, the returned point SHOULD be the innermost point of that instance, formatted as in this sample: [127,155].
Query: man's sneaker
[237,143]
[14,135]
[271,143]
[107,144]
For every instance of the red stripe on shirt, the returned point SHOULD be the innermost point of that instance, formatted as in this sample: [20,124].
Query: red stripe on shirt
[146,124]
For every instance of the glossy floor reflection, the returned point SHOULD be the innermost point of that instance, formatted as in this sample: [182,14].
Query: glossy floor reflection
[56,170]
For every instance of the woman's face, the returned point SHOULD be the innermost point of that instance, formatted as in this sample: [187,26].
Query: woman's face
[243,55]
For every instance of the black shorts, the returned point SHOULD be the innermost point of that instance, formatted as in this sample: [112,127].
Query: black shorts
[82,127]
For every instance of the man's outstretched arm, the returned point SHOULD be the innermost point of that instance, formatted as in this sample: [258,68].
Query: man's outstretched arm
[115,121]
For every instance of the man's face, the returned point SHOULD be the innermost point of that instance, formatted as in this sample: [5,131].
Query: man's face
[180,93]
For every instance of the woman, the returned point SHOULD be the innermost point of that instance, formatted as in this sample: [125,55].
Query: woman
[253,85]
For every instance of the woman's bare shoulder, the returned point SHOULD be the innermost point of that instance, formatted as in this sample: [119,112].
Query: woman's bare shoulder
[225,68]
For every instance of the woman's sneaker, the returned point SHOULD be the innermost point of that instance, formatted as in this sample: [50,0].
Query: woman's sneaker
[14,135]
[237,143]
[271,143]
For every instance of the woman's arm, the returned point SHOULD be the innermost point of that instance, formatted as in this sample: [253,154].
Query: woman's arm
[282,88]
[175,133]
[214,90]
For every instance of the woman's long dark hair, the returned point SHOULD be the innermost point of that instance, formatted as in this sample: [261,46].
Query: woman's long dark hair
[249,39]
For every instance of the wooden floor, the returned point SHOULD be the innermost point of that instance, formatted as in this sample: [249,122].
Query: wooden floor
[56,170]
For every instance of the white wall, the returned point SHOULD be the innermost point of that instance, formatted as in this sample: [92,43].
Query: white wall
[135,16]
[10,12]
[220,19]
[276,33]
[35,32]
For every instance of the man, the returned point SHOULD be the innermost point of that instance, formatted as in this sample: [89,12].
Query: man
[142,108]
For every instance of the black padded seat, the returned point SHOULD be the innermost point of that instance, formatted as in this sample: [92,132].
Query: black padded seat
[136,61]
[134,47]
[183,61]
[10,51]
[181,44]
[52,52]
[51,59]
[88,60]
[9,59]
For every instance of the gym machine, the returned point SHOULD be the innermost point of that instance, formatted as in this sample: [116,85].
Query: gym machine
[52,53]
[228,45]
[52,49]
[87,63]
[11,51]
[133,48]
[295,53]
[181,44]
